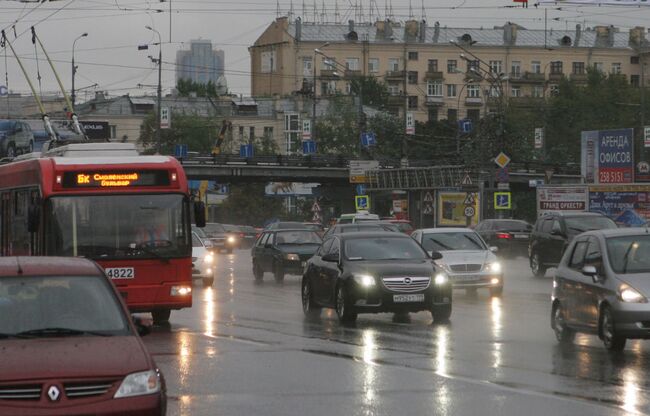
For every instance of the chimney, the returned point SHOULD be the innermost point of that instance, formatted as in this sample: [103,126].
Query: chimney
[388,30]
[637,36]
[576,42]
[604,36]
[298,29]
[422,33]
[436,32]
[350,26]
[510,34]
[411,29]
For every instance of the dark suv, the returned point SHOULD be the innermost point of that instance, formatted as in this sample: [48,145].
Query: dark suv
[15,138]
[553,233]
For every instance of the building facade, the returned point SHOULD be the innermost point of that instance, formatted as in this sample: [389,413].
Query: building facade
[201,63]
[439,72]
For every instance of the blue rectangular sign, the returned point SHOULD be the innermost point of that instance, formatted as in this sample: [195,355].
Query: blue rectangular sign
[180,150]
[615,156]
[246,150]
[368,139]
[308,147]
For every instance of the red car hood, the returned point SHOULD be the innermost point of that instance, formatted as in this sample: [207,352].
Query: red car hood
[71,357]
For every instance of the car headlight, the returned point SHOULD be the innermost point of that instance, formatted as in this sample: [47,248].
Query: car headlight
[631,295]
[180,290]
[139,384]
[209,258]
[292,257]
[441,279]
[365,280]
[493,267]
[444,266]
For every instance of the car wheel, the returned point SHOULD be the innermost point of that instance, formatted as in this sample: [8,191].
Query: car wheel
[208,281]
[612,341]
[536,266]
[441,313]
[343,308]
[496,291]
[258,272]
[30,147]
[161,316]
[11,150]
[564,334]
[278,272]
[310,309]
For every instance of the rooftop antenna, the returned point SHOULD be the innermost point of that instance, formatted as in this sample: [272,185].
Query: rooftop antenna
[411,16]
[323,14]
[304,12]
[337,15]
[386,9]
[277,8]
[424,13]
[360,11]
[371,11]
[392,16]
[315,13]
[291,11]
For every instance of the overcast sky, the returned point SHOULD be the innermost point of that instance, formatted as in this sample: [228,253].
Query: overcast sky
[109,55]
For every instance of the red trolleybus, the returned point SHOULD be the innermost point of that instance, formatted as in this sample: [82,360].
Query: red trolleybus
[103,201]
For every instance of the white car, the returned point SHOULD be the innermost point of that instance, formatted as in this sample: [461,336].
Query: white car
[468,261]
[202,260]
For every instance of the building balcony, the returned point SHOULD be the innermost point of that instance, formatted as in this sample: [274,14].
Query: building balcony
[555,76]
[434,100]
[352,73]
[395,75]
[580,78]
[527,102]
[526,78]
[434,75]
[329,74]
[473,101]
[396,100]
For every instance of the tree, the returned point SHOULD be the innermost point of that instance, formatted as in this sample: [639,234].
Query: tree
[185,88]
[373,91]
[248,204]
[197,132]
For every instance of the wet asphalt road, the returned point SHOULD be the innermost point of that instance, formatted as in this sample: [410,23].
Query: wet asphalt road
[245,349]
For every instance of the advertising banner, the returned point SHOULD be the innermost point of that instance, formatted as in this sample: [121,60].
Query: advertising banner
[451,209]
[289,189]
[607,156]
[588,155]
[628,206]
[561,199]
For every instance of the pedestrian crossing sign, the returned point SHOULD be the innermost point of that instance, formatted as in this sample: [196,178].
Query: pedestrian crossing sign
[362,202]
[502,200]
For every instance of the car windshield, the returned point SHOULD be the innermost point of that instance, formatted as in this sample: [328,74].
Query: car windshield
[7,125]
[297,237]
[199,232]
[582,224]
[404,226]
[118,226]
[512,226]
[383,248]
[286,225]
[59,305]
[212,229]
[452,241]
[231,228]
[629,254]
[313,227]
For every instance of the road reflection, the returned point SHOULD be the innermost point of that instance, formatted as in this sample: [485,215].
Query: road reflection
[496,317]
[442,398]
[369,346]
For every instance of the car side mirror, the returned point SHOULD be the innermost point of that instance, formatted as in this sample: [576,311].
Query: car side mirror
[556,230]
[435,255]
[331,258]
[591,271]
[199,213]
[142,325]
[494,249]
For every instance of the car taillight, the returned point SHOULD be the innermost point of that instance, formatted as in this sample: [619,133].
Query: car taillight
[504,236]
[241,235]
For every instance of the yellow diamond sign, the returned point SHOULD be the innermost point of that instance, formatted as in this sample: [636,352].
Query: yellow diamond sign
[502,160]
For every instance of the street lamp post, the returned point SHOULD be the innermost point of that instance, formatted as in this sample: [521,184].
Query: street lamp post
[74,70]
[317,51]
[159,92]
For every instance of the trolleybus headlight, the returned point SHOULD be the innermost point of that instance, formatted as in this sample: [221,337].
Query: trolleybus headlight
[180,290]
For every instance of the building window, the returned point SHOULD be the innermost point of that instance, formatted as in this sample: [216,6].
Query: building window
[452,114]
[536,67]
[473,91]
[413,102]
[413,56]
[267,62]
[598,66]
[432,114]
[434,89]
[473,65]
[578,68]
[556,67]
[268,133]
[452,66]
[495,67]
[616,68]
[292,133]
[432,65]
[348,88]
[251,133]
[373,65]
[451,90]
[352,64]
[474,115]
[307,67]
[393,64]
[327,87]
[516,91]
[241,133]
[634,80]
[494,92]
[413,77]
[538,91]
[393,89]
[634,60]
[515,69]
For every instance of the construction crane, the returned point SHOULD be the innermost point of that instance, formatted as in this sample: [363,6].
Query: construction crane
[226,127]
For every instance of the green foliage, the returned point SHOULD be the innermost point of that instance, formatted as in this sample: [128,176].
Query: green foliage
[338,131]
[247,204]
[374,92]
[185,88]
[199,133]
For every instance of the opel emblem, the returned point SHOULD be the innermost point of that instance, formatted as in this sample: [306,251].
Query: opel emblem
[407,280]
[53,393]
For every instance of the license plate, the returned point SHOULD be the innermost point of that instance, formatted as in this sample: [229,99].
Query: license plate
[521,236]
[120,272]
[408,298]
[469,278]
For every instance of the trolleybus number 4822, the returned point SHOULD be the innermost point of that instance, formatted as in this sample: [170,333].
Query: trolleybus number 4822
[120,272]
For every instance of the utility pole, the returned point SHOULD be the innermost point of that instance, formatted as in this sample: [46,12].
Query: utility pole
[73,96]
[159,98]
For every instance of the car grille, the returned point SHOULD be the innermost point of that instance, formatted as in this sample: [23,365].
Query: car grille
[406,284]
[466,268]
[29,392]
[86,389]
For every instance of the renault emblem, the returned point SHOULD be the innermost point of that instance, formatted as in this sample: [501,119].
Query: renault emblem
[407,280]
[53,393]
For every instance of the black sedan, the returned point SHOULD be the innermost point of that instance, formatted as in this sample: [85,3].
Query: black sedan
[374,272]
[365,227]
[283,252]
[511,237]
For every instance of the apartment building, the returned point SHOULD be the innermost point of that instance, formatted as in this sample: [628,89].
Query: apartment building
[438,72]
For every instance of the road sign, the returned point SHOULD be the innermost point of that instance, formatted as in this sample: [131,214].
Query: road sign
[646,131]
[315,207]
[503,186]
[358,170]
[410,124]
[362,202]
[361,189]
[428,197]
[469,199]
[502,160]
[165,118]
[502,200]
[246,150]
[4,90]
[308,147]
[368,139]
[503,175]
[469,212]
[465,125]
[428,208]
[306,129]
[539,138]
[467,180]
[180,151]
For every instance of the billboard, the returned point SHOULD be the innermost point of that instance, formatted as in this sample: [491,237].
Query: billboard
[608,156]
[451,209]
[627,206]
[290,189]
[561,199]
